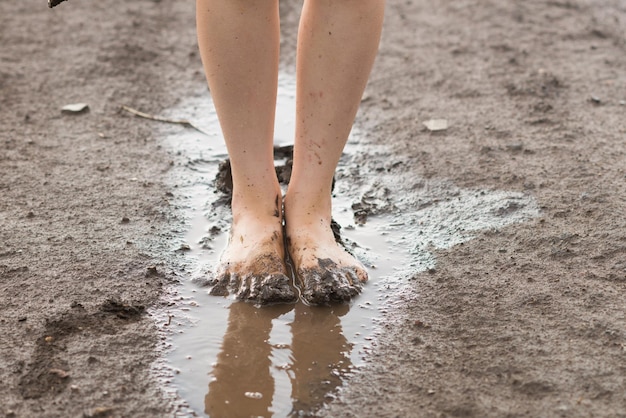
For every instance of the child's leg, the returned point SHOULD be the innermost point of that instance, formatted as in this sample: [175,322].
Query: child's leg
[337,44]
[239,45]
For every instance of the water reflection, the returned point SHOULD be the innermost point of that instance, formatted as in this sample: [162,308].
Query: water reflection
[251,370]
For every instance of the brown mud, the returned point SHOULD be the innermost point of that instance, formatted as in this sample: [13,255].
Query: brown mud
[523,320]
[328,283]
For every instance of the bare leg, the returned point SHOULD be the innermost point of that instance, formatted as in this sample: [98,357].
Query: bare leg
[244,364]
[337,44]
[320,357]
[239,45]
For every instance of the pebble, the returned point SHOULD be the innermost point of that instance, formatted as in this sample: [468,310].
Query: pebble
[75,108]
[436,125]
[253,395]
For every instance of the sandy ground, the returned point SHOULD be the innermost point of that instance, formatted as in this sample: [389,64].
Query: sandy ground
[527,320]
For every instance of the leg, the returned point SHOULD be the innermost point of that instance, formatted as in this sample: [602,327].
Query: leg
[337,44]
[320,357]
[244,364]
[239,45]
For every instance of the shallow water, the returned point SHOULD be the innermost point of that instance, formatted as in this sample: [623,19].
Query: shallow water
[233,359]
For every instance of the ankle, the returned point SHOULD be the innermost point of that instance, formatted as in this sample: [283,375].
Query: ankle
[302,202]
[258,206]
[307,219]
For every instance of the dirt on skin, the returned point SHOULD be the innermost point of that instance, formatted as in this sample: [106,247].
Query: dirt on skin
[260,280]
[328,283]
[324,284]
[527,320]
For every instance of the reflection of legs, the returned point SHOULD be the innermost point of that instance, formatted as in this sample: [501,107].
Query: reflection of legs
[239,42]
[321,355]
[243,364]
[337,43]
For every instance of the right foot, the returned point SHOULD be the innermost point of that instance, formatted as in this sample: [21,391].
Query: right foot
[252,267]
[325,271]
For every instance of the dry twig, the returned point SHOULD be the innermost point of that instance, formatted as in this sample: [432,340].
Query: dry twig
[144,115]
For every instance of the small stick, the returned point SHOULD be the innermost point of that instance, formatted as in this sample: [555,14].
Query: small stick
[52,3]
[183,122]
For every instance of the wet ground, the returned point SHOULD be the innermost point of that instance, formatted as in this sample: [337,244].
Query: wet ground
[233,359]
[496,247]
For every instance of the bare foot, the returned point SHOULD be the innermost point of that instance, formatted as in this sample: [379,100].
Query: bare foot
[326,272]
[252,266]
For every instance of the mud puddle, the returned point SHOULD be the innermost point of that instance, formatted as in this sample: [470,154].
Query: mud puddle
[233,359]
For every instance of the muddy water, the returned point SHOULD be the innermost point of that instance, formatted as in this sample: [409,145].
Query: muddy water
[234,359]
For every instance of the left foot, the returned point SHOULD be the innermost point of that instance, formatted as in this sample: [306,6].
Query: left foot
[254,271]
[252,265]
[326,272]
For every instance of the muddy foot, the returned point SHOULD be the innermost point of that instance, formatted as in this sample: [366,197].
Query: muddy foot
[328,283]
[254,271]
[325,271]
[260,289]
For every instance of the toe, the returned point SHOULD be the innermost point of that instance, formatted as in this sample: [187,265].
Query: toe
[219,285]
[268,289]
[242,286]
[276,288]
[361,274]
[334,285]
[347,285]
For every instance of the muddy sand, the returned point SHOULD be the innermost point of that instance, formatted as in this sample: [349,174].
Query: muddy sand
[522,320]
